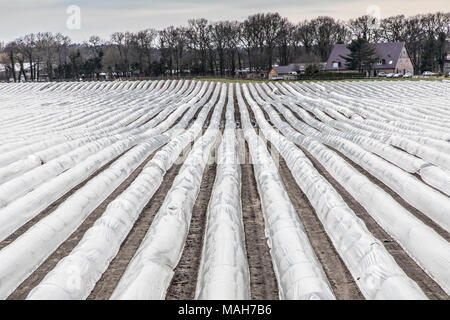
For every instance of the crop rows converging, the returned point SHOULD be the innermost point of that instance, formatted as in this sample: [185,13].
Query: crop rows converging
[184,189]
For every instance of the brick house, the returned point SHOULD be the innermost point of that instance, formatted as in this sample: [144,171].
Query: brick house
[393,58]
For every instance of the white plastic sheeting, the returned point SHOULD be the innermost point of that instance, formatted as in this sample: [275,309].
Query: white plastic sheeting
[375,271]
[19,259]
[378,142]
[43,155]
[436,177]
[19,186]
[299,273]
[431,202]
[422,243]
[224,272]
[150,271]
[91,257]
[426,199]
[49,143]
[25,208]
[82,202]
[17,213]
[102,122]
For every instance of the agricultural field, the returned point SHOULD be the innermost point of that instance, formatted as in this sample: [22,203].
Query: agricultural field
[211,190]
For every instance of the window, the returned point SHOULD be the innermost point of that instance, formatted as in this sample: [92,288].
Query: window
[391,61]
[335,64]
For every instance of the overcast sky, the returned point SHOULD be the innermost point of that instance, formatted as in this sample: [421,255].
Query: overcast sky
[103,17]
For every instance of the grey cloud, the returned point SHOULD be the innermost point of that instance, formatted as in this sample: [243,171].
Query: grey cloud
[103,17]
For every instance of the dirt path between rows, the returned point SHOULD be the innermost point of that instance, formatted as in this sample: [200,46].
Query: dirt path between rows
[184,281]
[341,281]
[263,282]
[411,268]
[110,278]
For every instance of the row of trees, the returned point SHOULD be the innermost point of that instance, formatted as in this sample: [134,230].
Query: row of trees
[222,48]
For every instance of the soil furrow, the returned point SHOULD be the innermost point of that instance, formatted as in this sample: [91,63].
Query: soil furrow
[341,281]
[263,282]
[184,281]
[110,278]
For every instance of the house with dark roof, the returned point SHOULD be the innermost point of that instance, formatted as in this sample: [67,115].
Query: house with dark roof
[393,58]
[283,72]
[291,71]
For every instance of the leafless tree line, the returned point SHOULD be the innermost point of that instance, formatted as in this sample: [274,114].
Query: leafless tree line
[218,48]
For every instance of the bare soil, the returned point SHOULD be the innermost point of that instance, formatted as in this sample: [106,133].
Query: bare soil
[263,282]
[342,283]
[184,281]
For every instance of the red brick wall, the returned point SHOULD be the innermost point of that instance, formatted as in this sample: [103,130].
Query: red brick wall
[404,65]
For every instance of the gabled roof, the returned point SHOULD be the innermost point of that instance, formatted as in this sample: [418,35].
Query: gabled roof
[388,52]
[286,69]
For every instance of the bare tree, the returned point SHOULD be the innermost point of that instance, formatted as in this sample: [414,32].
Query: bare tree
[123,42]
[46,54]
[304,36]
[286,42]
[366,28]
[11,50]
[61,45]
[4,60]
[327,32]
[199,38]
[256,44]
[394,29]
[144,42]
[28,48]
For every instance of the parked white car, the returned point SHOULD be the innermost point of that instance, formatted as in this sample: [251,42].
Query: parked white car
[407,75]
[382,74]
[427,73]
[397,75]
[277,79]
[390,75]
